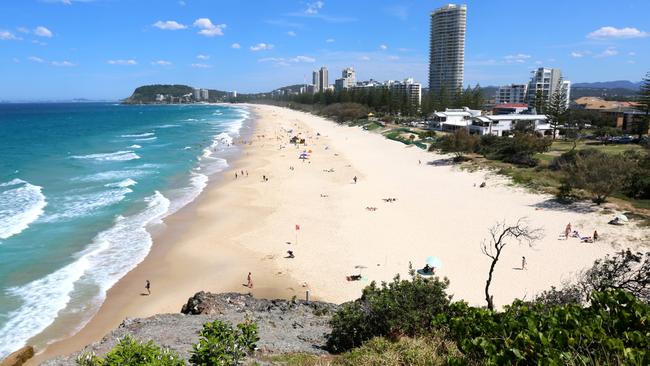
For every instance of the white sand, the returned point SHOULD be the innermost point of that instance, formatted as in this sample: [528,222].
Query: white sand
[439,212]
[241,225]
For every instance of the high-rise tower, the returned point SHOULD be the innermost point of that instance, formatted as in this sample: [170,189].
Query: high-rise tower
[447,48]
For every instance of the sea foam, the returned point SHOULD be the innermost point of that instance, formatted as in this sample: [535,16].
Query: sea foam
[20,204]
[147,134]
[114,156]
[124,245]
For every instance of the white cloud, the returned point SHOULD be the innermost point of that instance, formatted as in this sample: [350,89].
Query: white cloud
[577,54]
[161,63]
[202,57]
[201,66]
[393,57]
[7,36]
[129,62]
[39,43]
[609,52]
[314,8]
[364,58]
[303,59]
[291,33]
[235,46]
[63,64]
[631,54]
[383,47]
[42,32]
[36,59]
[261,47]
[329,40]
[169,25]
[617,33]
[209,29]
[518,58]
[23,30]
[281,61]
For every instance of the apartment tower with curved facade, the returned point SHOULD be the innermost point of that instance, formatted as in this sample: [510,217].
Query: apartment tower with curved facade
[447,49]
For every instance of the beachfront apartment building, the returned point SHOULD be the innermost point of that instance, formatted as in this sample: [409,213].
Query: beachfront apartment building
[205,94]
[407,87]
[447,48]
[545,81]
[320,80]
[348,79]
[512,94]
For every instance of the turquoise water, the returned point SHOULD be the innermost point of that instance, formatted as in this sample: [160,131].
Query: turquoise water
[80,184]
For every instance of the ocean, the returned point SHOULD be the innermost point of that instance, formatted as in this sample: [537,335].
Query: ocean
[81,187]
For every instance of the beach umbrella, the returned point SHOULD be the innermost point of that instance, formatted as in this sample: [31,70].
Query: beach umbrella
[622,217]
[434,262]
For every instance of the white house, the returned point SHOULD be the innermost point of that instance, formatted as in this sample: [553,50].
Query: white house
[453,119]
[503,124]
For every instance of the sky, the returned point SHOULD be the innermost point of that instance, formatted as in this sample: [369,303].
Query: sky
[103,49]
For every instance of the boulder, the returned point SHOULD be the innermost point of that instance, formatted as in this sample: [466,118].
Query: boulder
[19,357]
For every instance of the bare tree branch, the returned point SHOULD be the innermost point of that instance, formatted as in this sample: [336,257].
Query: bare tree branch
[500,234]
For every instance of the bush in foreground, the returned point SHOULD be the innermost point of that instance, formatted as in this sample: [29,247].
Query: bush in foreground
[394,309]
[614,329]
[132,352]
[220,344]
[421,351]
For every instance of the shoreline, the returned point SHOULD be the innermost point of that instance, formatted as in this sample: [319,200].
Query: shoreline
[239,224]
[125,298]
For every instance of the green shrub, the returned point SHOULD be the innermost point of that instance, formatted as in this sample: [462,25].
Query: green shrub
[614,329]
[220,344]
[401,307]
[131,352]
[421,351]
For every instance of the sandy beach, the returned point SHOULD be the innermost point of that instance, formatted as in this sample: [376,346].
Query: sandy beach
[248,223]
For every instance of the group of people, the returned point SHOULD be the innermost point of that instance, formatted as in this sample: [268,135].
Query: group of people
[241,173]
[371,208]
[389,200]
[568,232]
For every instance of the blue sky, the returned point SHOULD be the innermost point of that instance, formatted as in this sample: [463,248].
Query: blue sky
[103,49]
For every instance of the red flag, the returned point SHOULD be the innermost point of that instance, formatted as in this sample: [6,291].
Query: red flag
[297,227]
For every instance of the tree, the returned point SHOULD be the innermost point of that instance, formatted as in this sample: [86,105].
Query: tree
[540,102]
[500,234]
[557,108]
[642,123]
[624,270]
[598,173]
[458,143]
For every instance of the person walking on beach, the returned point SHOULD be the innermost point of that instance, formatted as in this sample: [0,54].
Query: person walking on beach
[355,179]
[250,281]
[523,263]
[567,231]
[235,175]
[147,286]
[595,236]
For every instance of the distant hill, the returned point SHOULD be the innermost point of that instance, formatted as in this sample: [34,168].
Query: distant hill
[147,93]
[617,84]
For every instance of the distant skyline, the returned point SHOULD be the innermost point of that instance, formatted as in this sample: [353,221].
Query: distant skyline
[103,49]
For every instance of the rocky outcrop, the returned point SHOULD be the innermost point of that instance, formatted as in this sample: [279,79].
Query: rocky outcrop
[19,357]
[284,326]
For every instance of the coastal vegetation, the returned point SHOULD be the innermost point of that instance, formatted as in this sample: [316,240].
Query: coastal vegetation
[602,317]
